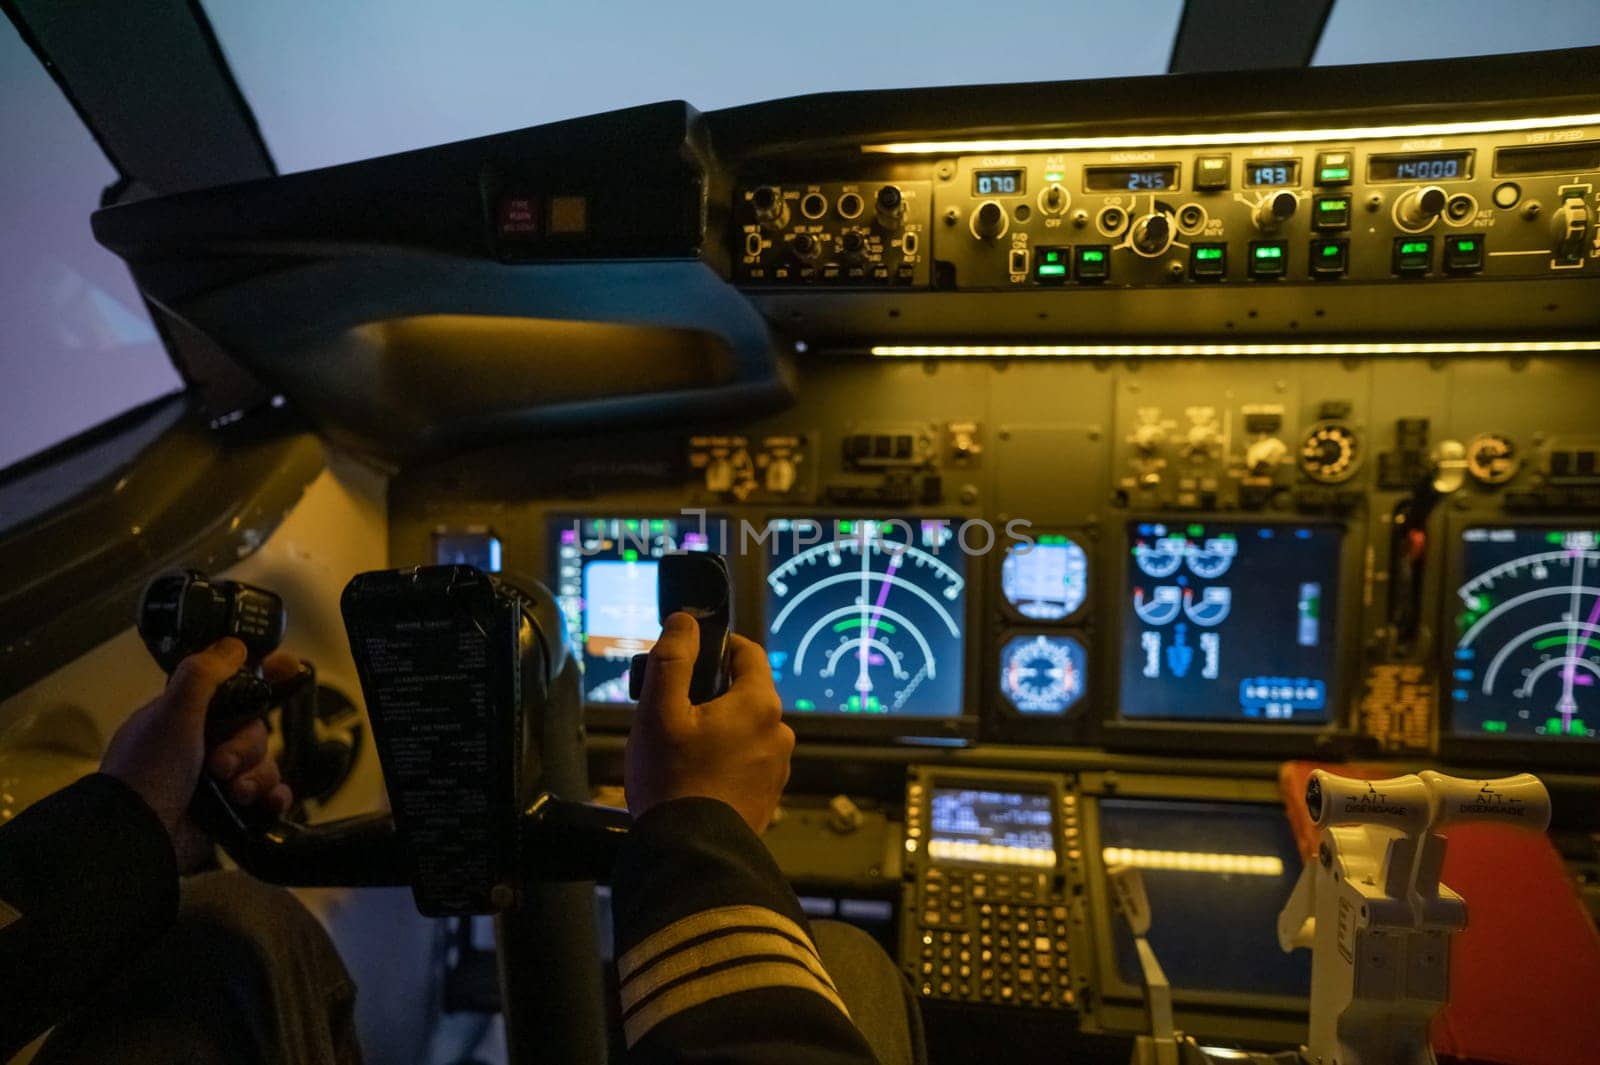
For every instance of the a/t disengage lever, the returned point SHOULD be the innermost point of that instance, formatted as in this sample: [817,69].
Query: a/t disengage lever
[696,583]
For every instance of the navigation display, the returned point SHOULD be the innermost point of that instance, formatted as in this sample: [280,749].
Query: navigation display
[1046,580]
[1527,652]
[1216,874]
[1230,622]
[605,576]
[1003,827]
[866,616]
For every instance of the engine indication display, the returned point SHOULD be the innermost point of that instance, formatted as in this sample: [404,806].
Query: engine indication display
[606,587]
[1046,580]
[1042,674]
[1230,622]
[1527,654]
[866,617]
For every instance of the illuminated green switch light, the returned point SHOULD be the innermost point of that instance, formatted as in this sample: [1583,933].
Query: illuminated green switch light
[1208,253]
[1052,270]
[1466,245]
[1414,247]
[1054,176]
[1333,173]
[1269,251]
[1330,251]
[1094,256]
[1333,205]
[1494,726]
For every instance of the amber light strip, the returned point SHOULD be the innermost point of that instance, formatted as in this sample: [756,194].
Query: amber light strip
[1421,347]
[1004,146]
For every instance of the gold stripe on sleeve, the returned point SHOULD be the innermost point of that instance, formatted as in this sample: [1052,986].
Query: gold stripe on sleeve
[731,946]
[755,976]
[703,923]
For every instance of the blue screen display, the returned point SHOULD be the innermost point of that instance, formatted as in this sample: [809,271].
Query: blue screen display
[1526,661]
[1046,580]
[1230,622]
[866,617]
[605,583]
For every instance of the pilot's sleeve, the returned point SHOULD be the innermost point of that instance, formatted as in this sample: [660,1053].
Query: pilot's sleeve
[714,955]
[88,879]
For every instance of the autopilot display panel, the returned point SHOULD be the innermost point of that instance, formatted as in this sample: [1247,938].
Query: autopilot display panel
[1230,621]
[1526,658]
[605,576]
[866,616]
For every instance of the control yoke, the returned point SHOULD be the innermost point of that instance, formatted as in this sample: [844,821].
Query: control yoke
[1371,907]
[476,711]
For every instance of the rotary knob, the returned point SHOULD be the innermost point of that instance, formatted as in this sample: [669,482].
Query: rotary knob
[780,475]
[1274,209]
[771,211]
[1199,441]
[989,220]
[719,476]
[1264,455]
[890,205]
[1151,235]
[806,247]
[1418,208]
[1147,438]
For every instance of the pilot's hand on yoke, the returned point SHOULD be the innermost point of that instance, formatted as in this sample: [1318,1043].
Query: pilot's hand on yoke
[161,748]
[734,748]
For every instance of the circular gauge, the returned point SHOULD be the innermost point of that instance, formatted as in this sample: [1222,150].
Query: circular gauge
[1210,558]
[867,622]
[1492,458]
[1330,452]
[1158,553]
[1046,580]
[1042,674]
[1527,654]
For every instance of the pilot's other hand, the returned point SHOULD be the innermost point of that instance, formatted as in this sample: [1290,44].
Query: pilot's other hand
[734,748]
[161,748]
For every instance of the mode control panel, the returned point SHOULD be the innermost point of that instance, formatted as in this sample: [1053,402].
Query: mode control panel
[848,234]
[1517,203]
[992,907]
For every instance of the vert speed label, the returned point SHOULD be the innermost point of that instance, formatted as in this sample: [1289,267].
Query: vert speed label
[1526,661]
